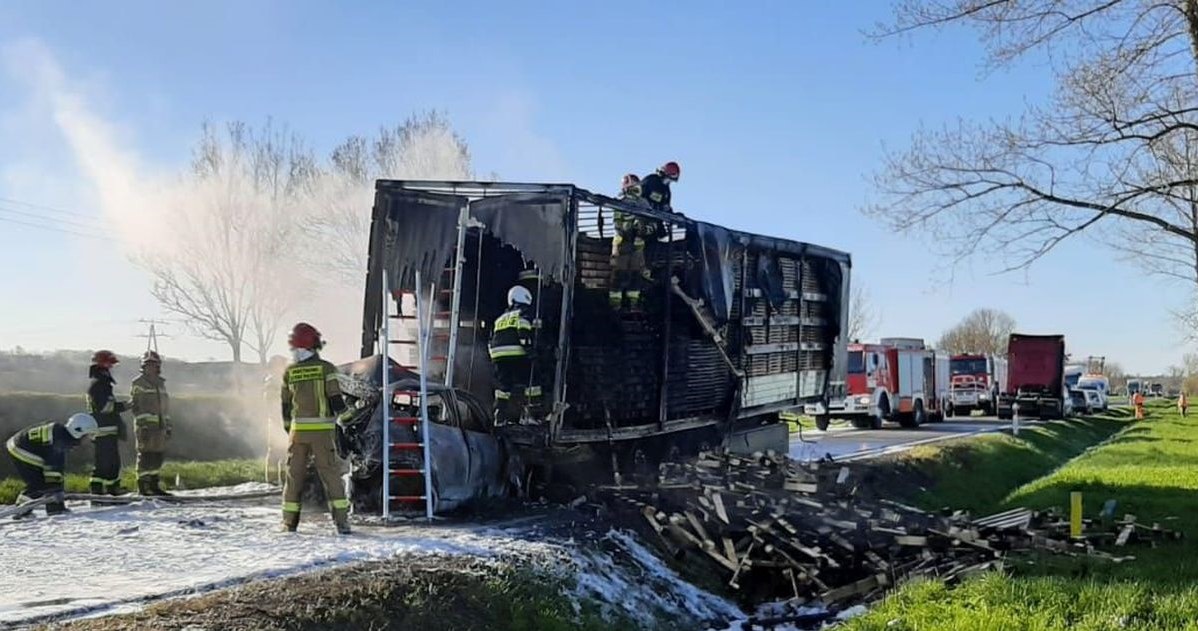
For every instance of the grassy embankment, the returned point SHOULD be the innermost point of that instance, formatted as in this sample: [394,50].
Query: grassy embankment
[191,475]
[1150,468]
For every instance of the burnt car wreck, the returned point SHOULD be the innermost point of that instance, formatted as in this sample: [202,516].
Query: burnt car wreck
[734,328]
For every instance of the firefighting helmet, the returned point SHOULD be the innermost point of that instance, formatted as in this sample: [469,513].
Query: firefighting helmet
[150,357]
[80,425]
[519,296]
[630,181]
[670,171]
[304,335]
[105,359]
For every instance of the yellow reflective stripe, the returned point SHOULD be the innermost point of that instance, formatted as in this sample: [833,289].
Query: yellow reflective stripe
[291,507]
[147,418]
[23,455]
[502,394]
[306,424]
[532,391]
[51,475]
[339,504]
[108,430]
[510,350]
[330,376]
[322,399]
[108,481]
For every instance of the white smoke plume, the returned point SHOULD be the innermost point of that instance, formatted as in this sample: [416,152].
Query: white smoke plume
[283,245]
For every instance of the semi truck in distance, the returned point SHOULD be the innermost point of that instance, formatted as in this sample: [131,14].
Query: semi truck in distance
[1035,383]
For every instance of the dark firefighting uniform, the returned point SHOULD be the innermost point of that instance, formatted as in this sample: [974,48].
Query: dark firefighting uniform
[39,454]
[311,400]
[656,191]
[102,404]
[152,426]
[511,354]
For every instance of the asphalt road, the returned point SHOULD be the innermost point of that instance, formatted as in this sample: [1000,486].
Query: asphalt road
[845,443]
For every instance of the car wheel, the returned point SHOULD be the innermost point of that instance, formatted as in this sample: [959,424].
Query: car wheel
[822,422]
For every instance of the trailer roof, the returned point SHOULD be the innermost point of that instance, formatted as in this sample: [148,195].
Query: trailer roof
[480,189]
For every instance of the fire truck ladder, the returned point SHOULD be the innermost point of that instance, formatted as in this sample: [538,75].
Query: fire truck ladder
[416,426]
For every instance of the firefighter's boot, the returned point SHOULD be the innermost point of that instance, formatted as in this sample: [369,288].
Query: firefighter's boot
[290,521]
[143,486]
[97,488]
[341,521]
[153,486]
[56,508]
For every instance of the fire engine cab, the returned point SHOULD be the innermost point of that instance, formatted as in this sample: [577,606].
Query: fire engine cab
[896,379]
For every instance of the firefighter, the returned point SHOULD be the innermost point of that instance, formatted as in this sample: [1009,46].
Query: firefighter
[1183,403]
[103,406]
[629,273]
[511,352]
[312,404]
[1138,401]
[151,422]
[39,454]
[655,187]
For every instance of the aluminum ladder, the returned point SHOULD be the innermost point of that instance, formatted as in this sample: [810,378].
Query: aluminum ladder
[415,425]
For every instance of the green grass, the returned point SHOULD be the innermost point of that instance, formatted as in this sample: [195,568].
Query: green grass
[978,473]
[192,475]
[1151,469]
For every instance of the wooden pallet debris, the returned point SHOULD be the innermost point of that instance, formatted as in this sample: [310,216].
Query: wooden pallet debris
[776,529]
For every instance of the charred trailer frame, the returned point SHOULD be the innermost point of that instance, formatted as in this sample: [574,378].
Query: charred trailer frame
[736,327]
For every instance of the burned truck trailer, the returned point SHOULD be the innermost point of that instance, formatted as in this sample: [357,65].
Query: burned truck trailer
[733,327]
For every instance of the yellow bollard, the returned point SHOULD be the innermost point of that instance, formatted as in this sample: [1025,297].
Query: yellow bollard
[1075,514]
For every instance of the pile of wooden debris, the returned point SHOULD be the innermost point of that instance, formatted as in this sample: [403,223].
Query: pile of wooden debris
[775,529]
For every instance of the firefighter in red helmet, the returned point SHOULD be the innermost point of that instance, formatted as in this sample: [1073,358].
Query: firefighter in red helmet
[104,407]
[655,187]
[312,405]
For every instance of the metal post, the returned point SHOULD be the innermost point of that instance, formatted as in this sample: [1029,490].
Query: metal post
[456,300]
[663,405]
[384,350]
[425,324]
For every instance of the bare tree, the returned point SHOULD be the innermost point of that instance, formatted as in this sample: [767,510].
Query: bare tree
[863,316]
[222,267]
[1112,155]
[422,147]
[982,331]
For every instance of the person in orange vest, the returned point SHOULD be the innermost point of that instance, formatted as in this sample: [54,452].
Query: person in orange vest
[1137,400]
[1183,403]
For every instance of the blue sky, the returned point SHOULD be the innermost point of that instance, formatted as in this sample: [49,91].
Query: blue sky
[777,111]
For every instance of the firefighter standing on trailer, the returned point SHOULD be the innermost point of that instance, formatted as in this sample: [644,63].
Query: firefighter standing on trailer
[311,397]
[655,187]
[39,454]
[103,406]
[511,352]
[629,273]
[151,423]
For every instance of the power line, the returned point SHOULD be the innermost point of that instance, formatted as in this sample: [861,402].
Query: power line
[52,209]
[88,226]
[53,229]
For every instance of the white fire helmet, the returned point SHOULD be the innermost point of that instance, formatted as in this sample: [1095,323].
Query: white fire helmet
[80,425]
[519,296]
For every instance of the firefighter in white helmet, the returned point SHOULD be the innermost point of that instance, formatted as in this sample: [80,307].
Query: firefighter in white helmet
[39,454]
[511,351]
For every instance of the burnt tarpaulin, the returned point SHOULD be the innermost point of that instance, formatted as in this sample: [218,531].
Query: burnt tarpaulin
[421,234]
[769,279]
[533,223]
[717,246]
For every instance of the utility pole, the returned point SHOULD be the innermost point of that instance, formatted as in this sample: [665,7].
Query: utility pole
[153,335]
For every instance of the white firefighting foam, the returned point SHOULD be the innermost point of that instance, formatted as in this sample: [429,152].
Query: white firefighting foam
[106,560]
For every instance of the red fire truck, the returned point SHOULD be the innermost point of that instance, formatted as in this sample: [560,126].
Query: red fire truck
[975,383]
[896,379]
